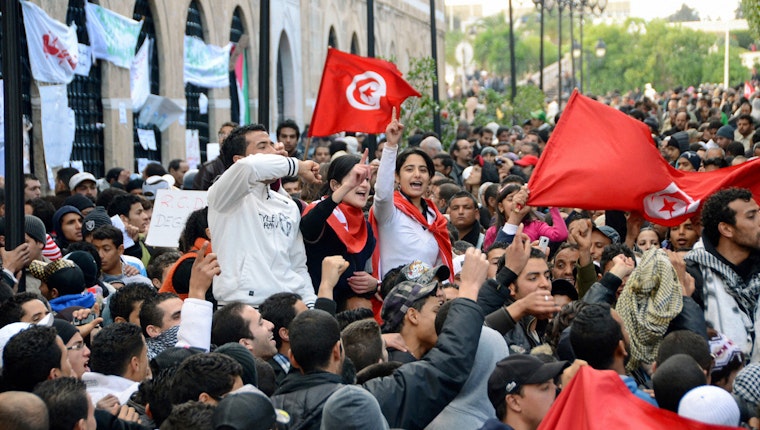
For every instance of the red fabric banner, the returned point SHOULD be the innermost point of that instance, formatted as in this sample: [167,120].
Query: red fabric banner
[357,94]
[600,158]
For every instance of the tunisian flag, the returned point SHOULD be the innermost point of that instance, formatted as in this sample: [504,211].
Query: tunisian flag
[600,158]
[599,400]
[357,94]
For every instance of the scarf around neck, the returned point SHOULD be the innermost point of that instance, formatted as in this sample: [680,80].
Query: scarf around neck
[348,223]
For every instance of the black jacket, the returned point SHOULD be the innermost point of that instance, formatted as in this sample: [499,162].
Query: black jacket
[304,396]
[417,392]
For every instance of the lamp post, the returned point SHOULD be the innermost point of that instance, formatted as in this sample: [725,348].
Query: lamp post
[512,64]
[542,5]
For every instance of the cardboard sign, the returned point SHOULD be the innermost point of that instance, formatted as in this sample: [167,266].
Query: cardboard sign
[170,212]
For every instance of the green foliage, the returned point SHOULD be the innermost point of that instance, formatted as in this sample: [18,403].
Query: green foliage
[751,12]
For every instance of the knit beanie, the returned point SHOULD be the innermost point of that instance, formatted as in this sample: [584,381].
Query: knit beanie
[710,405]
[65,329]
[692,158]
[35,228]
[726,131]
[240,354]
[94,220]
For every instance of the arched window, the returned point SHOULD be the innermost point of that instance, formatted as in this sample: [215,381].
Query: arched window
[194,119]
[332,39]
[143,12]
[86,101]
[355,45]
[236,94]
[285,80]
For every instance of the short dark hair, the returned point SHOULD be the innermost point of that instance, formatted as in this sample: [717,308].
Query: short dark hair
[446,159]
[174,164]
[160,262]
[150,313]
[28,358]
[64,175]
[122,203]
[235,143]
[313,334]
[352,315]
[113,348]
[109,232]
[154,169]
[362,343]
[157,391]
[686,342]
[288,123]
[461,194]
[123,301]
[12,311]
[195,227]
[106,196]
[674,378]
[594,335]
[228,324]
[212,373]
[716,211]
[66,400]
[192,415]
[734,149]
[44,210]
[613,250]
[279,309]
[746,117]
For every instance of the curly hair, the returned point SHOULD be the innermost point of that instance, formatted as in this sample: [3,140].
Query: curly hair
[716,211]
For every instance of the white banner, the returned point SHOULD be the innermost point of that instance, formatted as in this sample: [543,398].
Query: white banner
[170,211]
[139,76]
[58,124]
[113,37]
[192,148]
[53,47]
[206,66]
[159,111]
[84,61]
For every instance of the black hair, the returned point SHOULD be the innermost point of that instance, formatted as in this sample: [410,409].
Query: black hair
[716,211]
[44,210]
[613,250]
[228,324]
[561,321]
[461,194]
[122,203]
[595,335]
[150,313]
[313,334]
[288,123]
[192,415]
[156,392]
[113,348]
[363,343]
[154,169]
[66,401]
[106,196]
[674,378]
[415,151]
[133,184]
[235,143]
[501,218]
[28,358]
[195,227]
[445,191]
[64,175]
[440,317]
[212,373]
[492,191]
[446,159]
[352,315]
[123,301]
[719,162]
[113,174]
[390,280]
[108,232]
[339,169]
[267,382]
[685,342]
[174,164]
[279,309]
[160,262]
[12,311]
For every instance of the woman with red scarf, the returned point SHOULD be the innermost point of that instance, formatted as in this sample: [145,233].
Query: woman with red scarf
[408,226]
[335,225]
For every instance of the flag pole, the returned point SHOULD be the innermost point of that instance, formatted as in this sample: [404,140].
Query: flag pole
[370,141]
[264,63]
[436,96]
[14,152]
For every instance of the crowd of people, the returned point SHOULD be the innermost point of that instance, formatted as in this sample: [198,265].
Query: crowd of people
[332,285]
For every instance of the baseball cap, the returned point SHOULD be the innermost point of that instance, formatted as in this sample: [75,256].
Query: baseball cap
[244,411]
[517,370]
[417,271]
[563,287]
[154,183]
[528,160]
[400,299]
[81,177]
[609,232]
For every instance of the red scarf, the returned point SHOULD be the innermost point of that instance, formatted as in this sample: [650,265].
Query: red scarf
[438,228]
[348,223]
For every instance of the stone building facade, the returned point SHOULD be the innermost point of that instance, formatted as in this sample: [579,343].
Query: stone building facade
[300,33]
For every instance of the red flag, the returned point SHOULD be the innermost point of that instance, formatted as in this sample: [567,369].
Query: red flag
[748,90]
[357,94]
[599,400]
[600,158]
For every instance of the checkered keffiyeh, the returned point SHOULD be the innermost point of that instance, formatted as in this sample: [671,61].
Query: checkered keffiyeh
[650,300]
[747,383]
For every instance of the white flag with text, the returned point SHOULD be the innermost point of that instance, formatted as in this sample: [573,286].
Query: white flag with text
[53,47]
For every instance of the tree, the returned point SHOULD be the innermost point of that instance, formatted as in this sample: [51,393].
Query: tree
[751,10]
[684,14]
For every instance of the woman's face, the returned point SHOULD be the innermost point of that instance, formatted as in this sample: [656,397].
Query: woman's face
[506,205]
[358,196]
[413,178]
[647,239]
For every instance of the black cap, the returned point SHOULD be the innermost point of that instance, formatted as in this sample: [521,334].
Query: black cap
[244,411]
[517,370]
[563,287]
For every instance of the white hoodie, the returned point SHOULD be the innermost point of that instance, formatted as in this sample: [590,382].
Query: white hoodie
[255,233]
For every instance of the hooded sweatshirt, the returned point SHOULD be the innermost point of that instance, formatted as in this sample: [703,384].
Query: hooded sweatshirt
[353,408]
[60,240]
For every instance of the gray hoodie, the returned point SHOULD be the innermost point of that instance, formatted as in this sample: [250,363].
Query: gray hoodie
[471,407]
[352,408]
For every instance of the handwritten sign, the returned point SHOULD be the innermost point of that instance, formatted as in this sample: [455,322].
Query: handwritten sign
[170,212]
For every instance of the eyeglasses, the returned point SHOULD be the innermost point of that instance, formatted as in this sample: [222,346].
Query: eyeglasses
[76,347]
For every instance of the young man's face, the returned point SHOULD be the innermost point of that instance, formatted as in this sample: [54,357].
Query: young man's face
[598,242]
[292,187]
[426,320]
[289,138]
[33,311]
[564,263]
[35,248]
[263,344]
[535,401]
[137,217]
[493,260]
[172,310]
[463,212]
[110,255]
[322,154]
[32,189]
[87,188]
[746,230]
[535,276]
[71,227]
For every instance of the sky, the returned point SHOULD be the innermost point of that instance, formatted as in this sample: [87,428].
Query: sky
[714,9]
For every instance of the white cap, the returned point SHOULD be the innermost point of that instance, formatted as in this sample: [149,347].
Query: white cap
[79,178]
[711,405]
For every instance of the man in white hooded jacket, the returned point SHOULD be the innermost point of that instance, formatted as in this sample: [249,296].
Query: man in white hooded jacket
[254,223]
